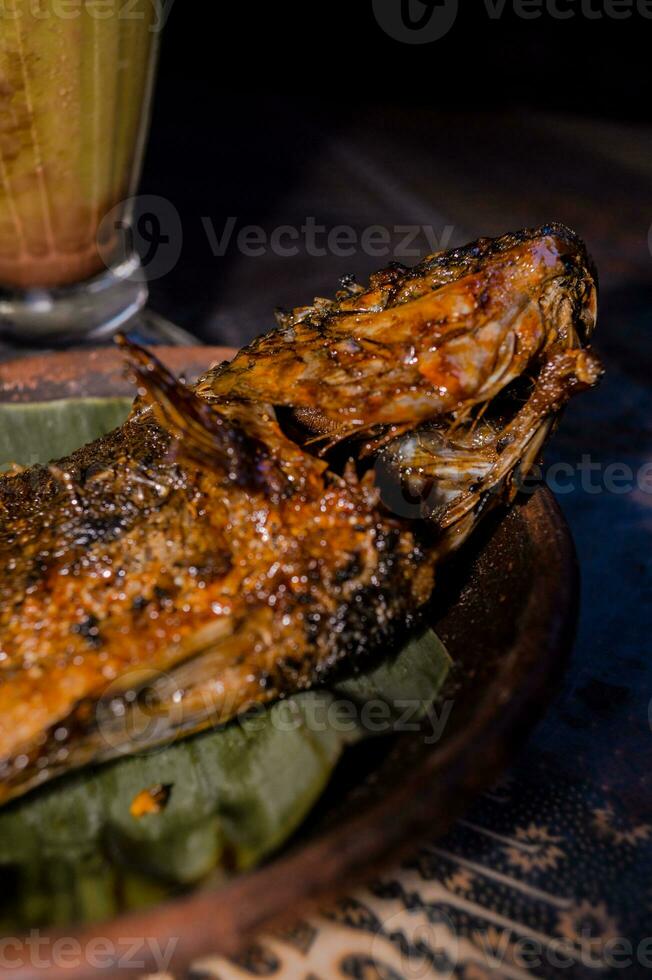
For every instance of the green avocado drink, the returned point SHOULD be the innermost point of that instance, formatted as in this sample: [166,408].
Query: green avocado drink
[75,77]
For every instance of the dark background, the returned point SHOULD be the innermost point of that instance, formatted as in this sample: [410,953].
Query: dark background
[272,112]
[338,49]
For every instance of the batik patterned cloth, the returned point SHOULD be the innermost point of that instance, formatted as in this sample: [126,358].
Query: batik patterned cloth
[541,879]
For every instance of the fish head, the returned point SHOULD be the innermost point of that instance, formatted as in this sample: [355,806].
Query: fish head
[499,334]
[422,343]
[459,327]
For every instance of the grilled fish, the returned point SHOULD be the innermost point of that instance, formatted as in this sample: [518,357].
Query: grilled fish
[236,540]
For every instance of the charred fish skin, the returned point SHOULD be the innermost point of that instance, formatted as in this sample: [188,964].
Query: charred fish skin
[220,558]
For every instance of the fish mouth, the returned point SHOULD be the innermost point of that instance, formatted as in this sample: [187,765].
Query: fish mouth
[580,282]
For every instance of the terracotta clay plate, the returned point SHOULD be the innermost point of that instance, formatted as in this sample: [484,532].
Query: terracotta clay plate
[505,608]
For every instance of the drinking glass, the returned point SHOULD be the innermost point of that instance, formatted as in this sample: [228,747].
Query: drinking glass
[76,79]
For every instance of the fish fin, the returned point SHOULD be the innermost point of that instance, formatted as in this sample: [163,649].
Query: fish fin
[204,435]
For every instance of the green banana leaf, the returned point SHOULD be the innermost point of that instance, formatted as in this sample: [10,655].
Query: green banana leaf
[80,849]
[40,432]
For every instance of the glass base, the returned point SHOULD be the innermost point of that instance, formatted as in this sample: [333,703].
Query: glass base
[65,314]
[86,313]
[150,328]
[147,328]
